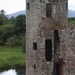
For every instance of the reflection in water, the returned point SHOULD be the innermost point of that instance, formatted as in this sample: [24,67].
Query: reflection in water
[9,72]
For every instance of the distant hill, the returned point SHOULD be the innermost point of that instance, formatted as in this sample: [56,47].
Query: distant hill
[71,13]
[16,14]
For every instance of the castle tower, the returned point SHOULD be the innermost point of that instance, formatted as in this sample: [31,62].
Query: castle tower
[44,21]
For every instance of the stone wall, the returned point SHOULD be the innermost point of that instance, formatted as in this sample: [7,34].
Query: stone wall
[67,49]
[38,29]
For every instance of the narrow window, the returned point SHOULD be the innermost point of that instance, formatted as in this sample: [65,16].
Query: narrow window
[66,6]
[32,0]
[48,10]
[48,48]
[56,41]
[53,1]
[57,0]
[49,0]
[35,46]
[40,0]
[34,66]
[58,68]
[27,6]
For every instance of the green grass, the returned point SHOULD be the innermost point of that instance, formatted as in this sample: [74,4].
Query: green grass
[72,22]
[9,49]
[11,58]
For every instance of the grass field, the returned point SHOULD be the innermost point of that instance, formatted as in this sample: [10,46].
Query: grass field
[9,49]
[72,22]
[12,57]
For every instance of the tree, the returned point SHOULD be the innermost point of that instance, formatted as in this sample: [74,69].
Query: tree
[12,20]
[20,24]
[3,17]
[2,12]
[2,20]
[6,31]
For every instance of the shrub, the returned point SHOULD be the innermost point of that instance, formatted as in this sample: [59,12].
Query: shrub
[13,41]
[23,41]
[6,31]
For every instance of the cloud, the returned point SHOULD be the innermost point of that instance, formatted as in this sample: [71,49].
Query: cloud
[71,4]
[11,6]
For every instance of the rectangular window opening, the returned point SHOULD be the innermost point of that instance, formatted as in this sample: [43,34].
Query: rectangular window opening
[58,69]
[49,0]
[48,49]
[66,6]
[48,10]
[56,41]
[28,6]
[35,46]
[32,0]
[40,0]
[34,66]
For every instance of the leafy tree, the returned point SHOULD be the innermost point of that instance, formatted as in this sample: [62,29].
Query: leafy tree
[2,20]
[6,31]
[20,24]
[13,41]
[2,12]
[3,17]
[12,20]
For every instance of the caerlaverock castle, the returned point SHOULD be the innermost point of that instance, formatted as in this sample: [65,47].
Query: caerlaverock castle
[50,40]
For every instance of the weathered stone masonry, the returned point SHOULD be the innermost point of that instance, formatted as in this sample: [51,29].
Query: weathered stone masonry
[50,41]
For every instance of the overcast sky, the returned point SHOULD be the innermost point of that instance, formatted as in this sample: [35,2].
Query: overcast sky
[11,6]
[71,4]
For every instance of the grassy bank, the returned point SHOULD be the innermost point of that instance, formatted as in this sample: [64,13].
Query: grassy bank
[11,58]
[9,49]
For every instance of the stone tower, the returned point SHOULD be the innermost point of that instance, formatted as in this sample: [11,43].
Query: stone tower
[45,20]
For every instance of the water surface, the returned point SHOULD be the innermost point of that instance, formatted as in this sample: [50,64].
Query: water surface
[11,72]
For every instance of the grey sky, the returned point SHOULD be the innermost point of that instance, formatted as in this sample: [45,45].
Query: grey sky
[71,4]
[11,6]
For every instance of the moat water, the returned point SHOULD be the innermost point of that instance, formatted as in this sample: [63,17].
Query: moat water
[12,72]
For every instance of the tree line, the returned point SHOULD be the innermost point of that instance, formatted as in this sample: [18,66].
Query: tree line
[12,31]
[71,20]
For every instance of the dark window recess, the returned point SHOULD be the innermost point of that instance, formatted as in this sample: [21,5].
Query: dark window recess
[57,0]
[40,0]
[32,0]
[48,10]
[58,69]
[49,0]
[35,46]
[56,41]
[66,6]
[48,49]
[53,1]
[28,6]
[34,66]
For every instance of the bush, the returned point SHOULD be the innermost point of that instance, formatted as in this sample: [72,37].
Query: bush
[23,40]
[13,41]
[6,31]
